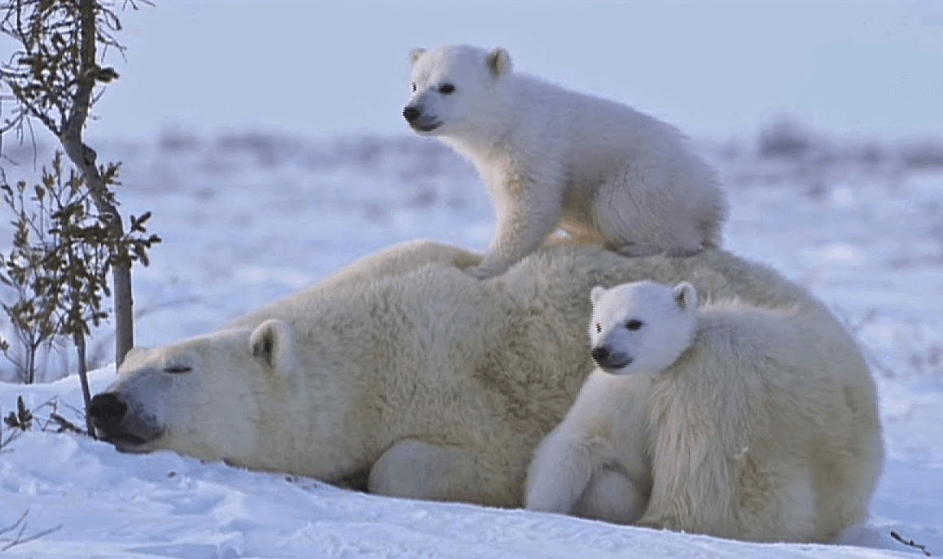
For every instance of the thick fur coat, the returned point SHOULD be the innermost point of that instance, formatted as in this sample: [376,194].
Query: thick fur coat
[404,375]
[552,157]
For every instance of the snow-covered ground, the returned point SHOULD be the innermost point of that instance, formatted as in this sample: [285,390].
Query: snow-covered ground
[249,217]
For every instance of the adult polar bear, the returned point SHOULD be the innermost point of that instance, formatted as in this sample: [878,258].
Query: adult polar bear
[552,157]
[405,370]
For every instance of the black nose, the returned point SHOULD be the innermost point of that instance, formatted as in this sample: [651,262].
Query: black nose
[106,410]
[411,113]
[600,354]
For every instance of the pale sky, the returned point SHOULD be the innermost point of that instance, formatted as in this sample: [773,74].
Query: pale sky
[712,68]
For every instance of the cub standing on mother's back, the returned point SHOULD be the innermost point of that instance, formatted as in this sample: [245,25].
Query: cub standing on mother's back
[552,157]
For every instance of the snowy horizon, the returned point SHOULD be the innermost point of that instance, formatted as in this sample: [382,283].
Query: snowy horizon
[268,163]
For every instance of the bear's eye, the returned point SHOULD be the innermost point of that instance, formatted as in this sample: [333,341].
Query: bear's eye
[414,86]
[176,370]
[446,88]
[598,328]
[633,324]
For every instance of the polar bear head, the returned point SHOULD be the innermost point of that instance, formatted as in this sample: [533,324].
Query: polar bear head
[208,397]
[454,89]
[641,327]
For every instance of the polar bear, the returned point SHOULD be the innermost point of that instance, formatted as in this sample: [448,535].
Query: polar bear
[552,157]
[595,463]
[403,375]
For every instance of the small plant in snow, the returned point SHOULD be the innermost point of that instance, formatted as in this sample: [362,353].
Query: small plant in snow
[58,266]
[55,76]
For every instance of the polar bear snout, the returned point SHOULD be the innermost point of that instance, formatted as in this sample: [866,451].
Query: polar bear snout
[419,121]
[127,431]
[411,113]
[606,359]
[107,410]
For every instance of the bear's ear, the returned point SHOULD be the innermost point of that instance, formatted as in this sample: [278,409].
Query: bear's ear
[685,296]
[596,293]
[415,54]
[272,344]
[134,354]
[499,62]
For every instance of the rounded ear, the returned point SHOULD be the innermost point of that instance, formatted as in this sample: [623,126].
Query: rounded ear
[415,54]
[685,296]
[499,62]
[596,293]
[134,354]
[273,344]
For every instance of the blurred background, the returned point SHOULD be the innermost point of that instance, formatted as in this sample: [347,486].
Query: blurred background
[714,68]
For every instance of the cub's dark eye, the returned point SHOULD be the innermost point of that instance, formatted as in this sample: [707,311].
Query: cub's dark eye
[414,86]
[177,370]
[446,88]
[598,328]
[633,324]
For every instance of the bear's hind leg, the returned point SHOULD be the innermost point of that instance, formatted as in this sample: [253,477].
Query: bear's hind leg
[640,219]
[418,470]
[612,497]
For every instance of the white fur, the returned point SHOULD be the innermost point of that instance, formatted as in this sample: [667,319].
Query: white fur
[642,327]
[552,157]
[594,463]
[736,431]
[405,376]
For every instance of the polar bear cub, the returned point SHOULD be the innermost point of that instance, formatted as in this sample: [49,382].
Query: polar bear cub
[594,463]
[552,157]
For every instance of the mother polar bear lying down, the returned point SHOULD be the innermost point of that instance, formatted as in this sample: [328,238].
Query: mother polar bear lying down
[405,376]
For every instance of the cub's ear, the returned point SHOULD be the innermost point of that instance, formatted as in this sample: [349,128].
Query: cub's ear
[499,62]
[685,296]
[415,54]
[273,344]
[596,293]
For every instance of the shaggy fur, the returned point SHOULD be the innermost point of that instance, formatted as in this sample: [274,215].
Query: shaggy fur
[595,463]
[747,434]
[552,157]
[405,371]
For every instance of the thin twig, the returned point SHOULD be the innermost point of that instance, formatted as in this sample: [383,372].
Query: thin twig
[910,543]
[20,527]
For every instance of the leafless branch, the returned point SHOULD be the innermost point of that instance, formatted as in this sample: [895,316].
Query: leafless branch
[14,534]
[910,543]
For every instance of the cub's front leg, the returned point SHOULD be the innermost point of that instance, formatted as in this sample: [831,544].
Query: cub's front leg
[528,207]
[559,473]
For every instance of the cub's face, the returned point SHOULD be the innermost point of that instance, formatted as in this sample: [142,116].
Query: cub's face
[452,88]
[641,327]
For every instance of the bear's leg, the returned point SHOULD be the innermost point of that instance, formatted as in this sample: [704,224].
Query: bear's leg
[612,497]
[527,215]
[637,218]
[419,470]
[562,468]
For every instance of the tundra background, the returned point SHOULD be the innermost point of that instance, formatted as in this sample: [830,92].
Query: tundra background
[267,139]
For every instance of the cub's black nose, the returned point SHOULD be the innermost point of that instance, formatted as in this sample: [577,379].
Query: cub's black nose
[107,409]
[600,354]
[411,113]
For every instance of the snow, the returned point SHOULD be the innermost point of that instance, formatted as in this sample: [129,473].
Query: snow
[249,217]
